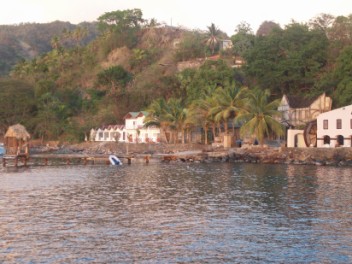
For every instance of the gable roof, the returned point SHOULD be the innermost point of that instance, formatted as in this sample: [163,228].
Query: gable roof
[299,101]
[130,115]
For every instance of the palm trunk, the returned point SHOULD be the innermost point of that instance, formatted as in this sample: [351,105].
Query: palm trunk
[226,127]
[205,134]
[213,127]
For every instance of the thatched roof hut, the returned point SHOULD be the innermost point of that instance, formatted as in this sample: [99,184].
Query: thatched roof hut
[16,140]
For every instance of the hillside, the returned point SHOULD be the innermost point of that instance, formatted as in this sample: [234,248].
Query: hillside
[26,41]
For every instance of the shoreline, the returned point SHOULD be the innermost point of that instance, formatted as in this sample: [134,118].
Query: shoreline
[208,154]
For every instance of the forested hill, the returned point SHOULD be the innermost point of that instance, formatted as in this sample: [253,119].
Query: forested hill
[93,74]
[26,41]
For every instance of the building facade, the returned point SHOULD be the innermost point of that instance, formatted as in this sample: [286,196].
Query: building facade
[334,128]
[133,131]
[297,112]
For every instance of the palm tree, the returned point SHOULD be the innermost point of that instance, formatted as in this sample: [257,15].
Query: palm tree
[176,115]
[258,116]
[200,113]
[156,117]
[213,37]
[230,101]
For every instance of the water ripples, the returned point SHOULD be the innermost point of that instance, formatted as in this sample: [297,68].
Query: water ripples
[166,213]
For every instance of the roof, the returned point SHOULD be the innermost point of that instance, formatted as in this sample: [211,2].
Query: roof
[300,102]
[109,127]
[17,131]
[130,115]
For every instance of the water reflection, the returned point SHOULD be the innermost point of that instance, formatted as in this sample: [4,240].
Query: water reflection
[166,213]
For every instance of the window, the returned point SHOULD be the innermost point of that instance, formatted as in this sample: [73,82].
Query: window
[326,140]
[338,123]
[325,124]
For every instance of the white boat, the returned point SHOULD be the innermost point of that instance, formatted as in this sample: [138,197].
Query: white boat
[114,160]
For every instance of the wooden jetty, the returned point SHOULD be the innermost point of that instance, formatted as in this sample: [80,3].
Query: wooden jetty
[66,159]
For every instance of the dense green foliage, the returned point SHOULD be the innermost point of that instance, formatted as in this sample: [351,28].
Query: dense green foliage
[78,79]
[26,41]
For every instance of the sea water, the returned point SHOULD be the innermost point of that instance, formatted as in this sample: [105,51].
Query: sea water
[176,213]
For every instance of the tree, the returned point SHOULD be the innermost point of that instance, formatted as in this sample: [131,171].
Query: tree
[199,112]
[343,77]
[258,116]
[121,20]
[322,22]
[213,37]
[267,27]
[115,78]
[287,61]
[156,117]
[17,104]
[340,35]
[229,102]
[243,39]
[176,115]
[192,46]
[211,73]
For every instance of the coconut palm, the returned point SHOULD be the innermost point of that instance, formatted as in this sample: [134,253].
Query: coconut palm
[229,102]
[258,116]
[200,112]
[156,117]
[176,116]
[213,37]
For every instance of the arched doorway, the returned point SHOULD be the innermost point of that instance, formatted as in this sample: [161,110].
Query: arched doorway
[340,140]
[326,140]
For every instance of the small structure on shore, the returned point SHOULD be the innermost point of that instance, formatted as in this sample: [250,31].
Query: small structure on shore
[16,141]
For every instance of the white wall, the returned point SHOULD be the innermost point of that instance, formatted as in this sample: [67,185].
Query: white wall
[291,134]
[343,113]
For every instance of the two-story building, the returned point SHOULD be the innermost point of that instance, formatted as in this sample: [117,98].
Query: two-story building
[137,132]
[133,131]
[334,128]
[297,113]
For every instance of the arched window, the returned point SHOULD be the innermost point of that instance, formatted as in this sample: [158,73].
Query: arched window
[326,140]
[340,140]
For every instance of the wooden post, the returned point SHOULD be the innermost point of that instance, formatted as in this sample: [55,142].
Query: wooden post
[147,159]
[129,160]
[45,161]
[3,162]
[16,161]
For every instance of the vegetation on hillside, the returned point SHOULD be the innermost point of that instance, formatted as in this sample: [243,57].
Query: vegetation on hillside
[131,64]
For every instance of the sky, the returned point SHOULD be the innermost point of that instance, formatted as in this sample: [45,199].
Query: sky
[190,14]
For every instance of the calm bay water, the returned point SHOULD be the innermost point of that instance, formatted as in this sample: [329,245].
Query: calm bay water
[176,213]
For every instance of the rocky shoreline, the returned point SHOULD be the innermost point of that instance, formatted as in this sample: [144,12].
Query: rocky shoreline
[201,153]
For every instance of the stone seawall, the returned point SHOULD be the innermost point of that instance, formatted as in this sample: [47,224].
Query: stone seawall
[312,156]
[202,153]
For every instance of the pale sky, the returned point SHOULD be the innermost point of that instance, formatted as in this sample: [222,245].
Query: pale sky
[191,14]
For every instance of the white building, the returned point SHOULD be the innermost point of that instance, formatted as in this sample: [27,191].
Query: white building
[334,128]
[108,133]
[298,111]
[133,131]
